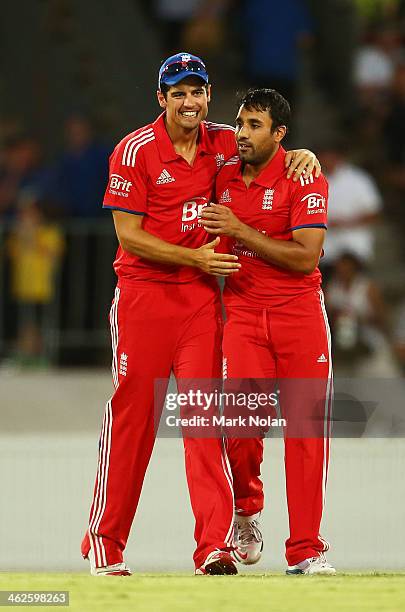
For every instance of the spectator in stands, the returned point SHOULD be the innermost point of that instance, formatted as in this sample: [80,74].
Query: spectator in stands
[361,349]
[21,168]
[354,206]
[195,24]
[358,317]
[174,16]
[82,170]
[273,33]
[375,64]
[35,247]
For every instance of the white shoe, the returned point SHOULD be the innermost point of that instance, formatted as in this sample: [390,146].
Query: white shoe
[118,569]
[313,565]
[247,539]
[218,563]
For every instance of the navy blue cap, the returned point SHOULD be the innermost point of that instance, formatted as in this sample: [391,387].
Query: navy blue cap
[177,67]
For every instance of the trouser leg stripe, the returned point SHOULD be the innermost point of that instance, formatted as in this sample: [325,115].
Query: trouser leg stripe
[104,492]
[328,407]
[114,336]
[101,497]
[98,494]
[228,474]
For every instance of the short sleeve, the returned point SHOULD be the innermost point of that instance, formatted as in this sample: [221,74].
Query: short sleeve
[309,203]
[126,189]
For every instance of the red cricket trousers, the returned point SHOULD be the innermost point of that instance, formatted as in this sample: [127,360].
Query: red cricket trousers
[157,328]
[290,343]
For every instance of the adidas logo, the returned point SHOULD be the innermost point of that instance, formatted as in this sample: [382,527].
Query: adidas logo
[225,197]
[165,178]
[322,359]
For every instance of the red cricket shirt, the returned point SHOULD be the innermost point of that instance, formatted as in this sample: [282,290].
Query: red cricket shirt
[275,206]
[148,178]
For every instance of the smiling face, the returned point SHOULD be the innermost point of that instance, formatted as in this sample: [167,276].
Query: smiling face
[256,137]
[186,103]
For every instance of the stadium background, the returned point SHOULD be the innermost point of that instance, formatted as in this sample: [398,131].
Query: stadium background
[74,78]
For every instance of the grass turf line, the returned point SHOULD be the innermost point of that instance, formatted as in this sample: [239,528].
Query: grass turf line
[176,592]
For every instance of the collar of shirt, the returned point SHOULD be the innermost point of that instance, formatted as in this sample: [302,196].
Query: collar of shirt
[274,169]
[165,145]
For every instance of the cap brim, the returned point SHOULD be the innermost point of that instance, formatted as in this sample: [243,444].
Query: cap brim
[180,76]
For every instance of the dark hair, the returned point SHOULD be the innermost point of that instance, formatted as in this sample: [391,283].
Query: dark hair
[354,259]
[164,89]
[268,100]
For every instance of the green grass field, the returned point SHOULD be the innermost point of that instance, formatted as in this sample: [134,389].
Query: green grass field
[178,592]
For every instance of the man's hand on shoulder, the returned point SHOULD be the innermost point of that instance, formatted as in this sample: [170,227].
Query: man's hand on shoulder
[301,162]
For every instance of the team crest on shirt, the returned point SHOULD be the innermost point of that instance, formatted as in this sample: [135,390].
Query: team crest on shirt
[219,160]
[225,197]
[123,364]
[268,199]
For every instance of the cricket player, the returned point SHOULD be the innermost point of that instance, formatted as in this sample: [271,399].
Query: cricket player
[166,314]
[276,324]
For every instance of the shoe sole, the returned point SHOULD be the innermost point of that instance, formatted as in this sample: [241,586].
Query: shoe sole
[298,572]
[221,567]
[121,573]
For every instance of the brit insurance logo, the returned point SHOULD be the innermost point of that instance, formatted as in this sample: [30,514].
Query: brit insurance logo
[191,213]
[267,203]
[316,203]
[119,185]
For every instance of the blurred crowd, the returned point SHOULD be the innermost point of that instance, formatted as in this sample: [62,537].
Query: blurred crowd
[356,53]
[38,200]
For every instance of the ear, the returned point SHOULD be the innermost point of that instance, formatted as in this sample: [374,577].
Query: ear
[161,99]
[280,132]
[209,92]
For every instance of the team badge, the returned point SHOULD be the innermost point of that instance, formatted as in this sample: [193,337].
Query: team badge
[268,199]
[220,160]
[123,364]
